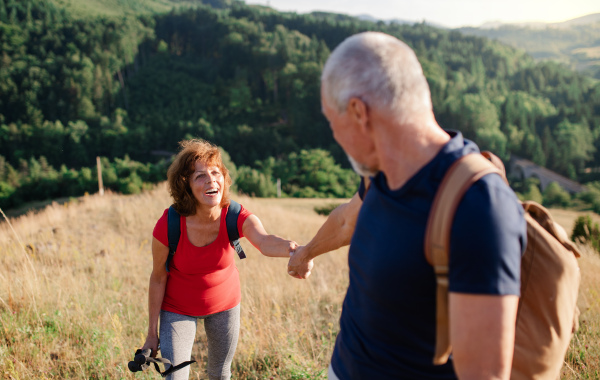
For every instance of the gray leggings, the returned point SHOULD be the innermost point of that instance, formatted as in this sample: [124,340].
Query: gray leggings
[178,332]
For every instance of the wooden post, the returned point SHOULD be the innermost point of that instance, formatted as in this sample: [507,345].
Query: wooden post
[278,187]
[100,185]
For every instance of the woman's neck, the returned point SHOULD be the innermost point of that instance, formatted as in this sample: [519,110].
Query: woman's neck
[206,214]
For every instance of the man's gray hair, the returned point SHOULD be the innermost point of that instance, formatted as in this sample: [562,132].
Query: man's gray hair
[380,70]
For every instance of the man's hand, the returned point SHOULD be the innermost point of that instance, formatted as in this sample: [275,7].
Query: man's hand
[300,265]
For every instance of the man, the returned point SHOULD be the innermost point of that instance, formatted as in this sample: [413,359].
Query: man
[378,104]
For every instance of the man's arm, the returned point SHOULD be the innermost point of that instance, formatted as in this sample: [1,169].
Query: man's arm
[482,334]
[335,233]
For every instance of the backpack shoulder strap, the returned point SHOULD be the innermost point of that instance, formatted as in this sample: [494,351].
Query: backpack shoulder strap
[173,233]
[232,229]
[460,176]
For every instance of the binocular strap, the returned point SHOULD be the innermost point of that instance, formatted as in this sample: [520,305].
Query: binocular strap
[143,359]
[172,368]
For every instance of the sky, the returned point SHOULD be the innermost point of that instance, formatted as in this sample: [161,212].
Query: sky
[449,13]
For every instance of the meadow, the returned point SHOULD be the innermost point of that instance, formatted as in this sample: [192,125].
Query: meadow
[73,294]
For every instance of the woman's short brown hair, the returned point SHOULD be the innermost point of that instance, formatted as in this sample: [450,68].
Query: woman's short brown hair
[178,175]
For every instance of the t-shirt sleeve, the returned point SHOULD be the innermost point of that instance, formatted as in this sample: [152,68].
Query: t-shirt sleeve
[161,229]
[488,238]
[244,214]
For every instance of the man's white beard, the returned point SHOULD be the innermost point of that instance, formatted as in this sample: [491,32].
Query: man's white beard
[360,169]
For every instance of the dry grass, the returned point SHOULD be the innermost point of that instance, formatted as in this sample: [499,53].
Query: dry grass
[73,294]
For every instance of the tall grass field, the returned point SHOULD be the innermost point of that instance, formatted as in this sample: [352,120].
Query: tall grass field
[74,279]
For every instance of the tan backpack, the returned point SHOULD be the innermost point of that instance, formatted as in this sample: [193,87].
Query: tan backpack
[547,312]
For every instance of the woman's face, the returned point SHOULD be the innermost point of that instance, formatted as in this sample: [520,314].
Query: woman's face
[207,184]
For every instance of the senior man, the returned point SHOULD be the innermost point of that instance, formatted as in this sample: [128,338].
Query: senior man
[378,104]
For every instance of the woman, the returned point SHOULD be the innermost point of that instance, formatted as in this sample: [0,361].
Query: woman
[203,281]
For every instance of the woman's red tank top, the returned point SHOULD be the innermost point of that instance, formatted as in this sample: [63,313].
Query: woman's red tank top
[202,280]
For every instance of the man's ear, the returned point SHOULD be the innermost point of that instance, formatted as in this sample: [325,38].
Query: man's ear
[358,111]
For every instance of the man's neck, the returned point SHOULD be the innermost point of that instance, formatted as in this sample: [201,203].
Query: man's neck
[403,150]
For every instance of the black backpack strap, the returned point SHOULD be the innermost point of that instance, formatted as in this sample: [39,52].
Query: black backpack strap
[173,232]
[232,230]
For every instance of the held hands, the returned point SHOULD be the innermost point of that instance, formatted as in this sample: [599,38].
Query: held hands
[292,247]
[300,265]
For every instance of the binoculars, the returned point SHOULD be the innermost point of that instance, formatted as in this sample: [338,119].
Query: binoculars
[140,361]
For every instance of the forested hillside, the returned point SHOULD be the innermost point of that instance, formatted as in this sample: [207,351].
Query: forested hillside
[575,43]
[75,85]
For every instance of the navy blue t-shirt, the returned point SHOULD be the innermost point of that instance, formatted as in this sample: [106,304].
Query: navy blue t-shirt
[387,326]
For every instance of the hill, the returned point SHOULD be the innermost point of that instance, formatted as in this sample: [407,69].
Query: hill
[576,42]
[120,8]
[77,83]
[73,296]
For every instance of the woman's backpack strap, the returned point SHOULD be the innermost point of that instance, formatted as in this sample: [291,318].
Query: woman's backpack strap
[173,233]
[232,228]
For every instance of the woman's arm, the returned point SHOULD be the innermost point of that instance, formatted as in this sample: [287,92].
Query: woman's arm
[156,292]
[268,245]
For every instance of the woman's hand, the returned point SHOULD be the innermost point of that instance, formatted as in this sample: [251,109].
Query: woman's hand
[292,247]
[152,344]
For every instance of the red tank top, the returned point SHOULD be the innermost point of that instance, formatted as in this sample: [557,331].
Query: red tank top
[202,280]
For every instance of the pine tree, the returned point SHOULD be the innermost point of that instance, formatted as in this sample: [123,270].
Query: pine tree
[3,13]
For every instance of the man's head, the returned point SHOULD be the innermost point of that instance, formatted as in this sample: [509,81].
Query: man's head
[371,72]
[380,70]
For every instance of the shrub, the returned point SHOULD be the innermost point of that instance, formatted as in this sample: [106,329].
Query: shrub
[555,195]
[533,193]
[252,182]
[584,231]
[327,209]
[591,196]
[6,192]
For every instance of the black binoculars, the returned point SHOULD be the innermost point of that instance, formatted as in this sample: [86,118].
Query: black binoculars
[140,361]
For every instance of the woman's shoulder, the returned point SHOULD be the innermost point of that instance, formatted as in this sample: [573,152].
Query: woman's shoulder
[243,212]
[164,215]
[160,229]
[243,215]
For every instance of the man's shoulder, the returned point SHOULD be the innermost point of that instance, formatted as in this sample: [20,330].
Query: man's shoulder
[491,194]
[491,214]
[489,235]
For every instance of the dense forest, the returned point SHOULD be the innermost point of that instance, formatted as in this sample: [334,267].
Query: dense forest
[127,88]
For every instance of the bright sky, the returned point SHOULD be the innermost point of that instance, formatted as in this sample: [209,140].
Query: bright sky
[449,13]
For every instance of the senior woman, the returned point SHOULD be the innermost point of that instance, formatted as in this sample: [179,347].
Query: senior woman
[203,281]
